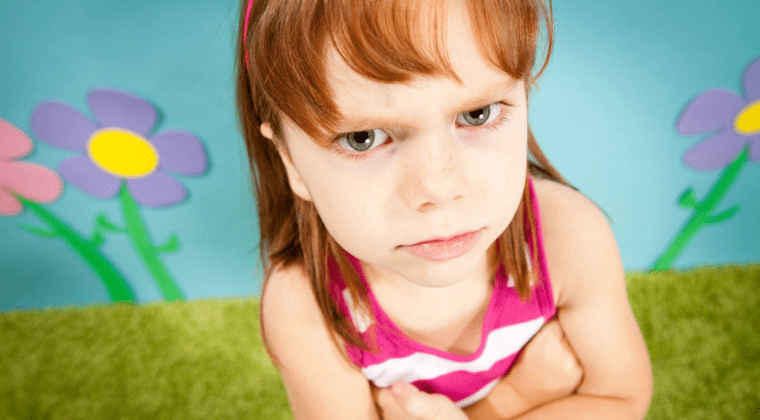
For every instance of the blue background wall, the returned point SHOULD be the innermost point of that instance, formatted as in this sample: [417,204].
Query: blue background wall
[605,113]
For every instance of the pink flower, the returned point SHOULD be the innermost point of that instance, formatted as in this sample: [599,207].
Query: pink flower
[31,181]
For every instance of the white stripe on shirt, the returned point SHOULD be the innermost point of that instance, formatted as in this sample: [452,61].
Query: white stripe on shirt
[421,366]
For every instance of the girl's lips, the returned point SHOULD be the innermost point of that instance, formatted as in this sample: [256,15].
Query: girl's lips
[445,249]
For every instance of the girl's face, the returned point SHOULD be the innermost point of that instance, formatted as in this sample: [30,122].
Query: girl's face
[428,159]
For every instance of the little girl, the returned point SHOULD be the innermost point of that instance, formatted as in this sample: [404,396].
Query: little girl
[411,228]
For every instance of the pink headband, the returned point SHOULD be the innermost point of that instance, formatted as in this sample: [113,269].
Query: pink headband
[245,29]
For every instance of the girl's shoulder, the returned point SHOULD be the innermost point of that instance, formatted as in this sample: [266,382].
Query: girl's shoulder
[288,295]
[286,302]
[573,229]
[320,382]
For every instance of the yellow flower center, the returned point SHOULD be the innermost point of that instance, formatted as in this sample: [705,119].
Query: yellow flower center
[122,153]
[748,120]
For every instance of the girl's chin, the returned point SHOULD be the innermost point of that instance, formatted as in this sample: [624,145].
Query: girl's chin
[434,274]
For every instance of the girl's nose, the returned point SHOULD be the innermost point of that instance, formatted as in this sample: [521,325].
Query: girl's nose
[434,172]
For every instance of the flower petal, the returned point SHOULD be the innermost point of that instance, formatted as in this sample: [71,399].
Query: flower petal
[716,152]
[157,190]
[14,143]
[83,173]
[119,109]
[60,125]
[9,205]
[711,110]
[751,80]
[180,151]
[31,181]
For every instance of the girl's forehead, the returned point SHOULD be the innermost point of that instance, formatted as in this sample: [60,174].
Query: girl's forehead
[472,78]
[365,104]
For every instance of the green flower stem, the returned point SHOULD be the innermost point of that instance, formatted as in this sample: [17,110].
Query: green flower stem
[117,287]
[147,251]
[703,210]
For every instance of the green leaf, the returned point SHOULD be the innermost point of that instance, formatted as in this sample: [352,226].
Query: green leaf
[103,222]
[39,232]
[688,199]
[97,239]
[723,216]
[171,245]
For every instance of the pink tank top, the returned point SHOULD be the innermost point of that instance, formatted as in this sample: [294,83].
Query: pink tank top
[507,326]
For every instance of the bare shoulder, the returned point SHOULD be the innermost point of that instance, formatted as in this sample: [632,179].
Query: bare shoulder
[583,259]
[320,382]
[577,237]
[288,298]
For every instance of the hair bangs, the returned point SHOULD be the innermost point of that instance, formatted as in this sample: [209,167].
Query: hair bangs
[509,32]
[388,41]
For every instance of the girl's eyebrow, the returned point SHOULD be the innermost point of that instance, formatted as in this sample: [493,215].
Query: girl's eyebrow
[490,94]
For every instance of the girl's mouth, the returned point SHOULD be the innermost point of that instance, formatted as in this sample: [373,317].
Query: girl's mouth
[445,248]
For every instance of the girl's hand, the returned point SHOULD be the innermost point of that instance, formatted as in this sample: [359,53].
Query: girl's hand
[403,401]
[547,368]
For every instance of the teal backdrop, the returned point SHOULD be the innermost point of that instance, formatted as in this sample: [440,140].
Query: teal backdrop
[621,74]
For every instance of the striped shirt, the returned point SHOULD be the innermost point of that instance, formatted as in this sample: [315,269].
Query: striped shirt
[507,326]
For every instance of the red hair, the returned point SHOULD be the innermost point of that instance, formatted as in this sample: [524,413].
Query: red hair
[281,72]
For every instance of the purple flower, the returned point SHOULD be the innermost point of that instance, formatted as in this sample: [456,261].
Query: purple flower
[734,120]
[118,148]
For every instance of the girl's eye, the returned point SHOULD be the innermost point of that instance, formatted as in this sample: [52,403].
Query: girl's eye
[361,141]
[479,116]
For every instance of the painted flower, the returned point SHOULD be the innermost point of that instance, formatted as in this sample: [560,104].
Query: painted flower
[119,148]
[29,180]
[734,120]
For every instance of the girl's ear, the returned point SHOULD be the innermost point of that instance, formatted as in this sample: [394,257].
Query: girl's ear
[294,178]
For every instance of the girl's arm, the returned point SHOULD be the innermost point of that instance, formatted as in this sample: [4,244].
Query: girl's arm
[546,370]
[593,310]
[320,383]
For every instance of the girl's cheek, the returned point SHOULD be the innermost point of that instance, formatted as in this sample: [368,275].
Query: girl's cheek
[477,138]
[486,139]
[374,163]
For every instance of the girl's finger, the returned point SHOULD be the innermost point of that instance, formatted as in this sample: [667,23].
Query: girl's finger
[388,405]
[416,404]
[423,406]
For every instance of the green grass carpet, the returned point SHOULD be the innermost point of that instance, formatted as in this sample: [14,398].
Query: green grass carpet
[204,359]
